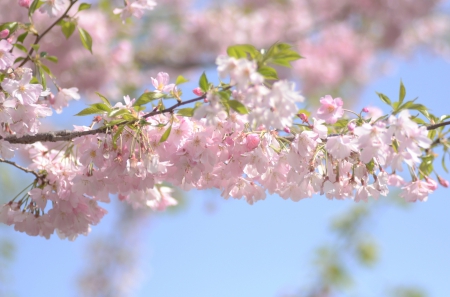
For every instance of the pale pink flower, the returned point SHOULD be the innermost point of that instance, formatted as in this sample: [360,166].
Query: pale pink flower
[331,109]
[53,7]
[417,190]
[22,90]
[63,97]
[134,8]
[161,82]
[341,146]
[6,58]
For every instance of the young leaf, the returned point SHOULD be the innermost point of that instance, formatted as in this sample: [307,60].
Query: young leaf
[269,73]
[86,39]
[104,99]
[186,112]
[180,80]
[402,93]
[52,59]
[67,28]
[84,6]
[241,51]
[11,26]
[384,98]
[21,47]
[238,106]
[203,83]
[93,109]
[35,5]
[116,136]
[118,112]
[22,37]
[148,97]
[166,134]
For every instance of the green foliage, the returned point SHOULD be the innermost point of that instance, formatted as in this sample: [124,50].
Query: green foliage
[35,5]
[181,80]
[84,6]
[67,28]
[186,112]
[96,108]
[203,83]
[148,97]
[11,26]
[86,39]
[237,106]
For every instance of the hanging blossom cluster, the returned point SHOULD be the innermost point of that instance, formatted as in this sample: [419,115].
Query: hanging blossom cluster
[244,138]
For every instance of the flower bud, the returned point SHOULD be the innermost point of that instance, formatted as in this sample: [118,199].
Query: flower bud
[351,126]
[303,117]
[365,109]
[25,3]
[287,130]
[197,91]
[252,141]
[4,34]
[443,182]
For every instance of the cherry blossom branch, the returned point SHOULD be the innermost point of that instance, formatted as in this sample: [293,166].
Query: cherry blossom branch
[20,167]
[66,135]
[39,37]
[435,126]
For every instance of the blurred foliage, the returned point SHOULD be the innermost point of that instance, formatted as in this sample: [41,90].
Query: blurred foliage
[352,247]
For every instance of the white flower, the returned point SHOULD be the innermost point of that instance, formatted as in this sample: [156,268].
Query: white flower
[22,90]
[53,7]
[6,58]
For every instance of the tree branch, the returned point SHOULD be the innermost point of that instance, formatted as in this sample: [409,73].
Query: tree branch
[435,126]
[20,167]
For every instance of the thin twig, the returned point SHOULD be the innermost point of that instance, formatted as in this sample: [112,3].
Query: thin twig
[39,37]
[435,126]
[20,167]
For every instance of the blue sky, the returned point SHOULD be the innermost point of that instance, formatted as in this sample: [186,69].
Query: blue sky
[265,249]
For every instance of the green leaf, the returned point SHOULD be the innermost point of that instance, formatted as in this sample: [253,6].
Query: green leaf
[180,80]
[148,97]
[67,27]
[52,59]
[84,6]
[94,109]
[426,167]
[269,73]
[443,163]
[18,60]
[116,136]
[186,112]
[166,134]
[104,99]
[384,98]
[36,47]
[21,47]
[402,93]
[22,37]
[41,74]
[35,5]
[86,39]
[238,106]
[46,69]
[203,83]
[243,51]
[102,106]
[281,54]
[118,112]
[115,122]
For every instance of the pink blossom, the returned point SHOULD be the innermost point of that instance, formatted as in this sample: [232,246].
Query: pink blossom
[417,190]
[330,110]
[63,97]
[53,7]
[134,8]
[161,82]
[22,90]
[6,58]
[340,146]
